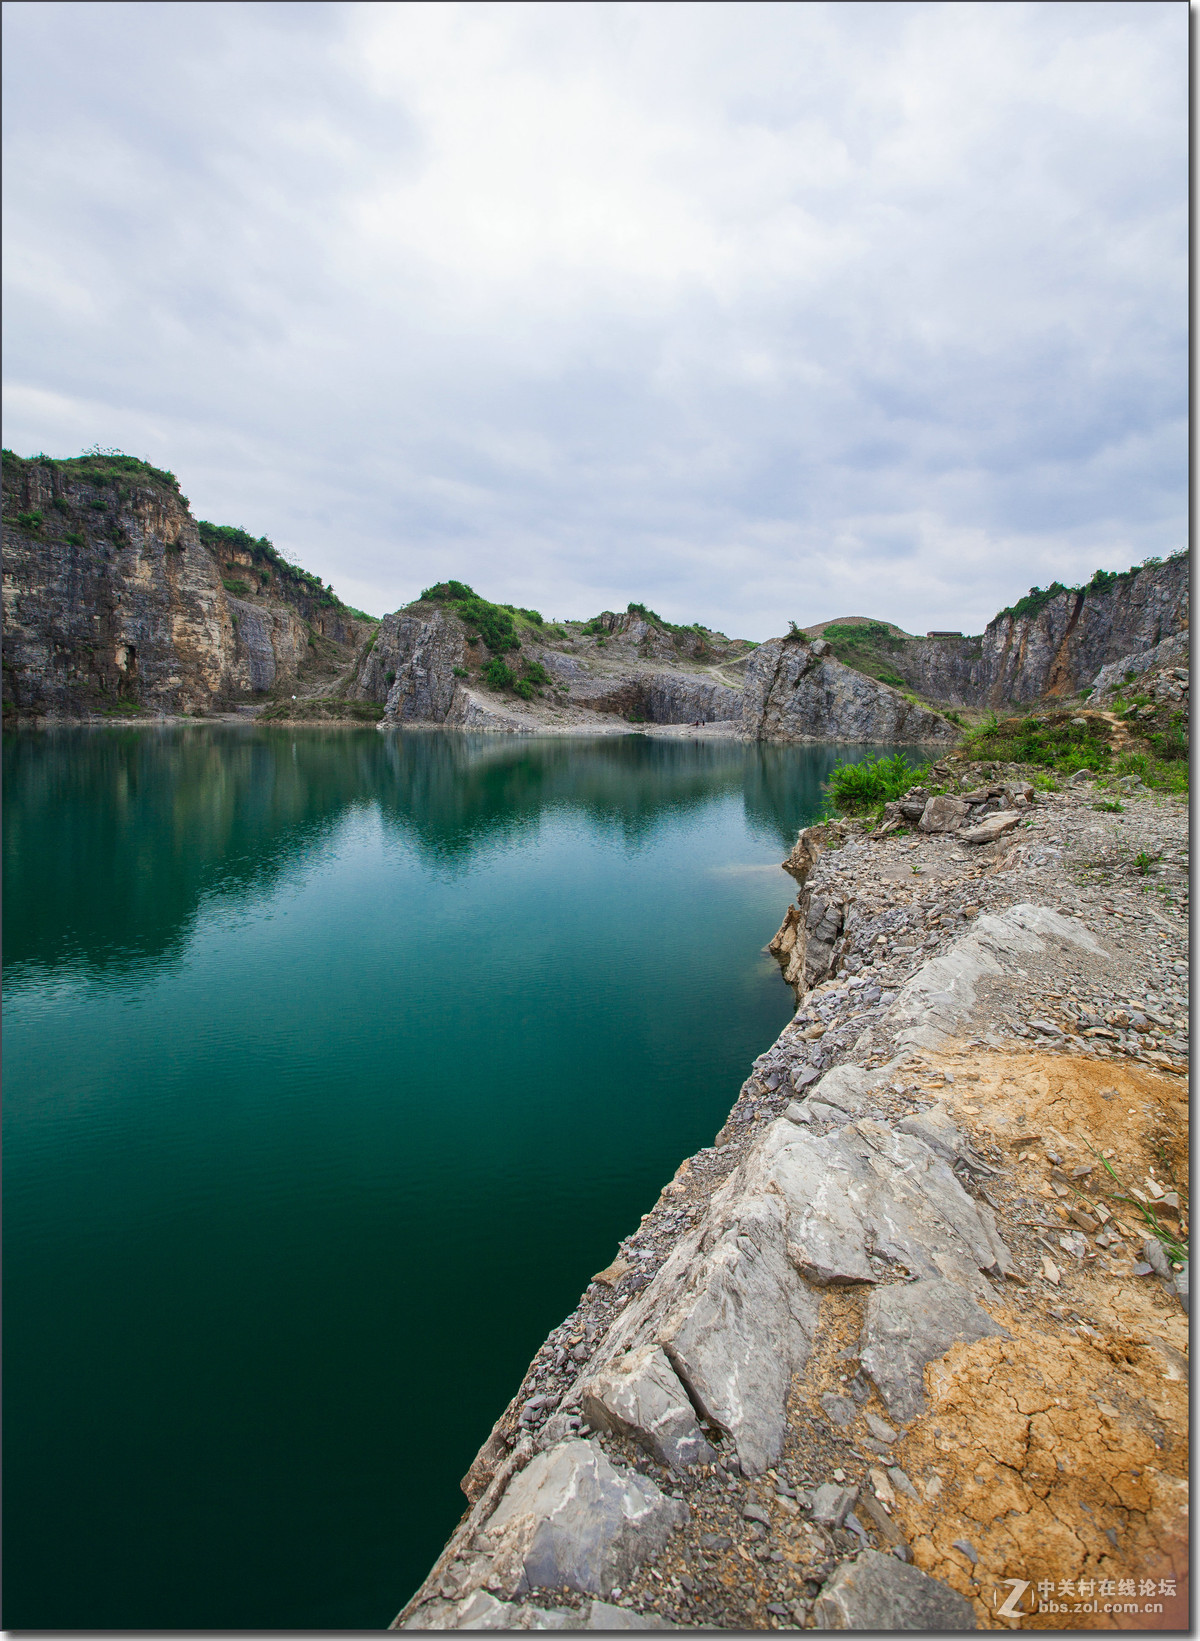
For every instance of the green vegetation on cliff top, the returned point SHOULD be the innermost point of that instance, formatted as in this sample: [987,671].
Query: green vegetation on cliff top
[98,466]
[265,553]
[1103,581]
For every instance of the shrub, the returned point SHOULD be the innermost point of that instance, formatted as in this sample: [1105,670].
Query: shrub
[63,505]
[858,787]
[536,673]
[493,622]
[523,688]
[1052,743]
[76,538]
[239,589]
[497,674]
[30,521]
[1165,776]
[461,672]
[1171,743]
[391,678]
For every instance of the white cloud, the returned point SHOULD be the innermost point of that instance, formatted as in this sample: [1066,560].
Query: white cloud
[736,309]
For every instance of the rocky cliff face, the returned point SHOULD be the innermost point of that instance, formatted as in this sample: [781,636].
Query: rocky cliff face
[1056,648]
[797,691]
[113,603]
[422,666]
[411,665]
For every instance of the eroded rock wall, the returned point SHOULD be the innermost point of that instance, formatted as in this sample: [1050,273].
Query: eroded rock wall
[1055,650]
[796,690]
[112,601]
[109,598]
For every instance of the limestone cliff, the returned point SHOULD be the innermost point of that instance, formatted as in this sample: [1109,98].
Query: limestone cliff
[796,690]
[114,602]
[1049,643]
[429,667]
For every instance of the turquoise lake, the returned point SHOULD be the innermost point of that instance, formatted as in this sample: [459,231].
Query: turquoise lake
[335,1062]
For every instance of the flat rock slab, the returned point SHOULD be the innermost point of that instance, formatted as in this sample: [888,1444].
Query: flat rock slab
[734,1308]
[482,1611]
[993,827]
[865,1190]
[571,1518]
[879,1592]
[910,1324]
[639,1395]
[940,999]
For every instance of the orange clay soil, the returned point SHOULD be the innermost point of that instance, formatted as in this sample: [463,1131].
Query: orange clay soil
[1060,1453]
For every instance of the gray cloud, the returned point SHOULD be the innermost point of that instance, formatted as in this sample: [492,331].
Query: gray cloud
[749,312]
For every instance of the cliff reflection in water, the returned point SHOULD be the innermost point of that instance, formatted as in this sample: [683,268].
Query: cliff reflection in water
[113,838]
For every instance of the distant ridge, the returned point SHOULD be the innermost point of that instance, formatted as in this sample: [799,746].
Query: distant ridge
[855,621]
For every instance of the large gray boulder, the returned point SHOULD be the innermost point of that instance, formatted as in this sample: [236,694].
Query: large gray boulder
[943,813]
[639,1395]
[878,1592]
[571,1518]
[911,1324]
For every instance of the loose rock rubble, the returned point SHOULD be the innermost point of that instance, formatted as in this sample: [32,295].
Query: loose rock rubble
[903,1332]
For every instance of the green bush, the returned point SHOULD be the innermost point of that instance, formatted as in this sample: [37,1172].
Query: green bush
[1172,743]
[1170,775]
[30,521]
[461,672]
[239,589]
[523,688]
[855,788]
[391,678]
[498,675]
[493,621]
[62,504]
[1052,743]
[76,538]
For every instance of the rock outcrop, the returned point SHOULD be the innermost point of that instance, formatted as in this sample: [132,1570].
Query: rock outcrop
[796,690]
[425,670]
[1055,648]
[113,602]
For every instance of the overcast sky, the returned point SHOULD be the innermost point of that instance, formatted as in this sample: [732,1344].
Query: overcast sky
[748,312]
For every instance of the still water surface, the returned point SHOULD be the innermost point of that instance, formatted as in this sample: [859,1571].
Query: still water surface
[334,1063]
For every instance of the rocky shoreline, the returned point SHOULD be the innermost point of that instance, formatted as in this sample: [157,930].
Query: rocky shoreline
[899,1335]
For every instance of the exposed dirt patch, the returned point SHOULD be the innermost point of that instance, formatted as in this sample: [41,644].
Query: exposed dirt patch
[1059,1456]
